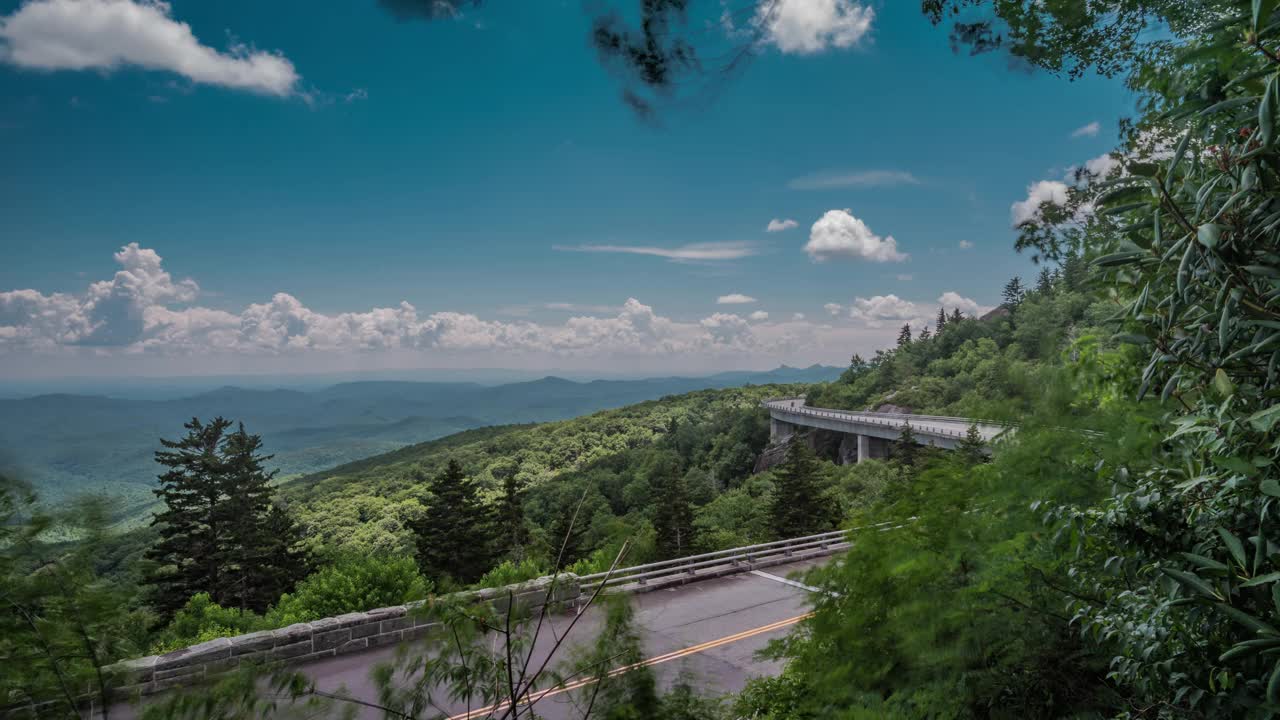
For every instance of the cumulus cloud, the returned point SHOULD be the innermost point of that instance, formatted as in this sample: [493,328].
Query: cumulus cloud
[758,316]
[805,27]
[1053,192]
[877,310]
[734,299]
[838,234]
[704,252]
[853,178]
[776,225]
[966,245]
[106,35]
[833,309]
[952,300]
[1090,130]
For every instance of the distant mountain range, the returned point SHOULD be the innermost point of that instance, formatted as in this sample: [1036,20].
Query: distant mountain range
[64,444]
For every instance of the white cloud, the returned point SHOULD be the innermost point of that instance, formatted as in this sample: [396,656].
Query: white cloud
[1090,130]
[952,300]
[1054,192]
[734,299]
[811,26]
[853,178]
[110,34]
[758,316]
[709,251]
[838,234]
[797,317]
[776,225]
[966,245]
[833,309]
[876,311]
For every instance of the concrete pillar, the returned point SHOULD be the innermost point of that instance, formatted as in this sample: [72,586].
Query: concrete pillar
[864,448]
[780,430]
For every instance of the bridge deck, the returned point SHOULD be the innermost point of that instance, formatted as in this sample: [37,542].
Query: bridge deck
[951,429]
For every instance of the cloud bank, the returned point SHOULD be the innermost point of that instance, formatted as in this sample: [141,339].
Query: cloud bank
[106,35]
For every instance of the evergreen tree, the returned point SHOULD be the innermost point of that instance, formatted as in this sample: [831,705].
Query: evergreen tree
[904,335]
[942,319]
[673,516]
[187,558]
[907,450]
[956,316]
[1013,292]
[925,334]
[243,553]
[973,446]
[512,529]
[452,535]
[797,507]
[1044,283]
[565,536]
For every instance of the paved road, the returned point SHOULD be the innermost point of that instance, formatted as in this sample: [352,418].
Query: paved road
[794,410]
[708,631]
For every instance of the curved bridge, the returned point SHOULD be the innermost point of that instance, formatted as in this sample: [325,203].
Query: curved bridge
[867,434]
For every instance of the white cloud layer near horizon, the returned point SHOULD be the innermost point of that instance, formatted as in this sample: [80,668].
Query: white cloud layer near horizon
[144,312]
[107,35]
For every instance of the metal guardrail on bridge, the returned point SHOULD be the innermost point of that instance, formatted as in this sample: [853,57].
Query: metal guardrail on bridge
[892,420]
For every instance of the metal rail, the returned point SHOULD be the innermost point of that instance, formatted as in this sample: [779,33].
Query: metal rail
[741,556]
[893,420]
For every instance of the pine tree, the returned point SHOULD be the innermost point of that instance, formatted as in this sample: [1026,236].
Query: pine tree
[285,560]
[565,535]
[1044,283]
[956,316]
[187,557]
[904,335]
[1013,292]
[907,451]
[247,574]
[973,446]
[925,334]
[797,507]
[673,516]
[512,529]
[453,534]
[942,319]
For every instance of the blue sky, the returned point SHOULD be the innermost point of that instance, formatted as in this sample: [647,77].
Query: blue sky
[483,170]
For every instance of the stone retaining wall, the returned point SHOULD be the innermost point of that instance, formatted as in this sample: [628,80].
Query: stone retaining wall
[304,642]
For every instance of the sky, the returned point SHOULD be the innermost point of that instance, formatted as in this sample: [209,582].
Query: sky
[275,187]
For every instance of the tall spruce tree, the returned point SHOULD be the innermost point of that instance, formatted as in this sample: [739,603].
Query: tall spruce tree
[453,534]
[187,558]
[565,536]
[673,516]
[904,335]
[942,319]
[972,448]
[1013,293]
[513,531]
[798,508]
[956,316]
[907,450]
[247,573]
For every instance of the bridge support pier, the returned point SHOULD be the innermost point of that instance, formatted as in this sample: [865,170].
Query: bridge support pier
[864,448]
[780,430]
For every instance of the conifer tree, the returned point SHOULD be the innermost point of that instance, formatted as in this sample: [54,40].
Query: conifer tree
[797,507]
[1013,293]
[673,516]
[565,536]
[187,558]
[512,529]
[942,319]
[1044,283]
[907,451]
[956,316]
[971,449]
[247,573]
[453,534]
[904,335]
[925,334]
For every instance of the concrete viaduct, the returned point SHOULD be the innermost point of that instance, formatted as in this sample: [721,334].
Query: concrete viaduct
[866,435]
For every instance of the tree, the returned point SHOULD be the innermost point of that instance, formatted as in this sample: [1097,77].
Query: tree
[942,319]
[956,316]
[904,335]
[188,557]
[1013,293]
[925,334]
[973,447]
[673,515]
[285,559]
[1044,282]
[565,536]
[247,552]
[797,507]
[907,450]
[453,534]
[510,520]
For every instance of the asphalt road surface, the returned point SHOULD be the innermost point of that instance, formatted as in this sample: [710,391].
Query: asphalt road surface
[707,631]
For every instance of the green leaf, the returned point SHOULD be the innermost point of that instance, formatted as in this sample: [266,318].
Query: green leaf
[1261,580]
[1264,420]
[1235,546]
[1246,619]
[1266,114]
[1192,582]
[1222,383]
[1273,684]
[1270,487]
[1262,12]
[1209,234]
[1204,562]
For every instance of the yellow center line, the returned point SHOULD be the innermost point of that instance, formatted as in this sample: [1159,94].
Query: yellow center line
[656,660]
